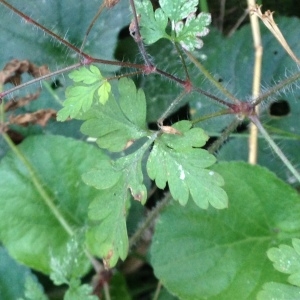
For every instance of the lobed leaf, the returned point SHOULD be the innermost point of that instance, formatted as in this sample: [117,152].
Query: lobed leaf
[33,290]
[286,259]
[187,33]
[278,291]
[118,123]
[174,159]
[80,97]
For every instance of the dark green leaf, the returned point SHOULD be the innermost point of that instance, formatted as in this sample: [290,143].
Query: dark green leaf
[221,254]
[33,290]
[11,271]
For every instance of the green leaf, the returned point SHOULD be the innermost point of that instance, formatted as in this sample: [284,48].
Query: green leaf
[118,123]
[69,266]
[80,96]
[187,33]
[153,24]
[118,288]
[33,290]
[11,271]
[27,223]
[286,259]
[108,237]
[176,159]
[278,291]
[79,292]
[221,254]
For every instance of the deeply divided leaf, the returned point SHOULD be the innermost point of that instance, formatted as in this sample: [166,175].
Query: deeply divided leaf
[286,259]
[186,26]
[176,159]
[119,122]
[80,96]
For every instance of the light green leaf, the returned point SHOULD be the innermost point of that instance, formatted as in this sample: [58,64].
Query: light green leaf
[221,254]
[188,33]
[183,166]
[119,122]
[278,291]
[104,91]
[287,260]
[71,265]
[33,290]
[80,97]
[28,227]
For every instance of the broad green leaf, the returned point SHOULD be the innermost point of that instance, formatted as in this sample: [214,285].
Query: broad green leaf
[28,227]
[278,291]
[79,292]
[33,290]
[11,271]
[80,96]
[286,259]
[176,159]
[187,33]
[69,266]
[221,254]
[119,122]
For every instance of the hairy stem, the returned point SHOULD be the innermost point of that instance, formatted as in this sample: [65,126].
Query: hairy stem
[149,220]
[20,86]
[276,149]
[224,136]
[171,107]
[206,73]
[281,85]
[212,115]
[102,6]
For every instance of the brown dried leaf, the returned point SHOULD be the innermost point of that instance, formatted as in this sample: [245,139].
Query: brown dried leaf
[40,117]
[111,3]
[15,68]
[13,104]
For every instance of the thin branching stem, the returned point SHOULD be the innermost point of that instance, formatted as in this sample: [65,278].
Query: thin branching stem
[182,61]
[153,214]
[276,88]
[206,73]
[102,6]
[274,146]
[137,35]
[171,107]
[35,80]
[215,146]
[212,115]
